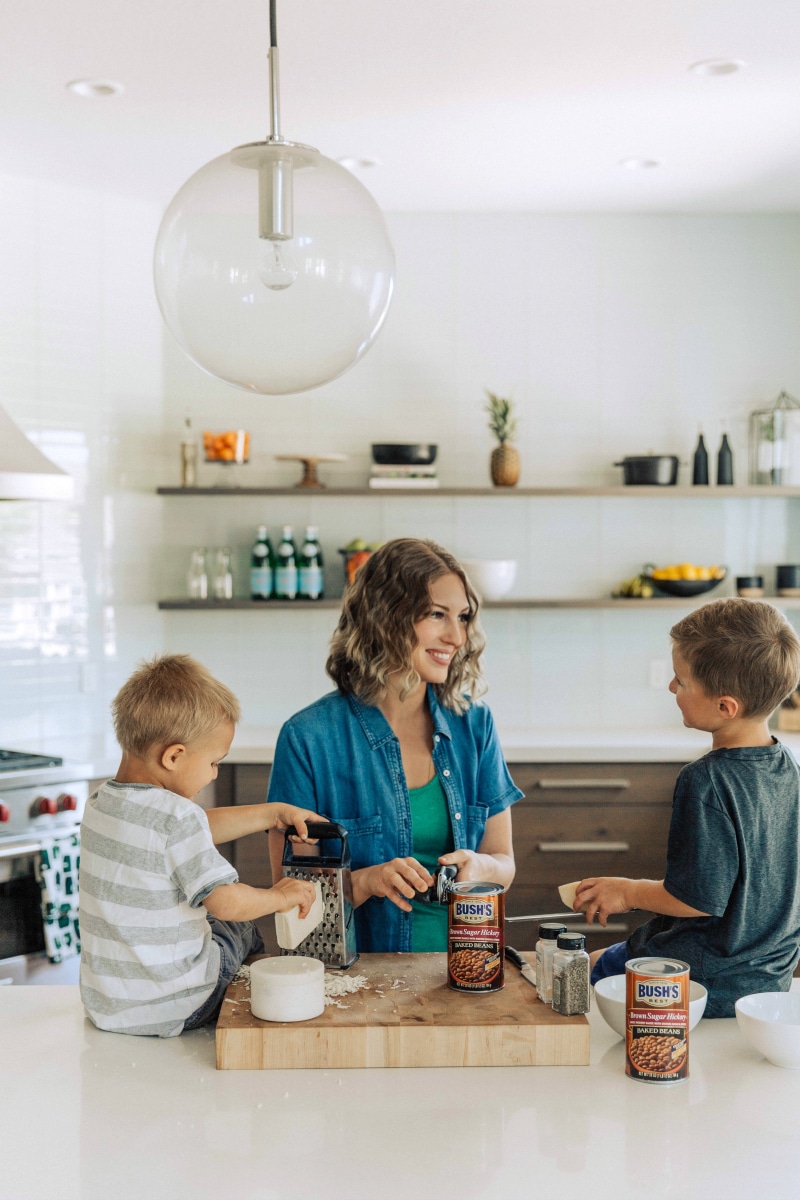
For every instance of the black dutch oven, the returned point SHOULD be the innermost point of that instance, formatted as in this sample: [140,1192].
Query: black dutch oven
[660,469]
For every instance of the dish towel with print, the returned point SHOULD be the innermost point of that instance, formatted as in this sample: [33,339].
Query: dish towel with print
[57,870]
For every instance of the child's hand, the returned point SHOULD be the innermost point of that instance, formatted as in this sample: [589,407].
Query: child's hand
[284,815]
[291,892]
[602,897]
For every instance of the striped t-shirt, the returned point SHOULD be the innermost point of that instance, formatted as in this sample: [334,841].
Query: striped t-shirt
[147,864]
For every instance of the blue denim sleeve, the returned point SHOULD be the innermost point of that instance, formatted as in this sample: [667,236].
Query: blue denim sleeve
[496,788]
[291,780]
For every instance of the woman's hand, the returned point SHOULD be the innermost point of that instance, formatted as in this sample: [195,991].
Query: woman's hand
[468,863]
[398,881]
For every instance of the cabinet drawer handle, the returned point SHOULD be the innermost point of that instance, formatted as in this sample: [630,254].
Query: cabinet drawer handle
[583,847]
[615,785]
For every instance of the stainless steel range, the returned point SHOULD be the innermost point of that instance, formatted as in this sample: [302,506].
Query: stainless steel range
[41,798]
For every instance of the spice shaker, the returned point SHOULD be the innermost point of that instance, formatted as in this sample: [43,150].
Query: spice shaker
[570,975]
[545,949]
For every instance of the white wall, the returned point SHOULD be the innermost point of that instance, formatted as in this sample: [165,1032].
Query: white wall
[614,334]
[81,374]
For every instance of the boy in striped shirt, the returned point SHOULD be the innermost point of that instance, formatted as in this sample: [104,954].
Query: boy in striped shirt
[165,922]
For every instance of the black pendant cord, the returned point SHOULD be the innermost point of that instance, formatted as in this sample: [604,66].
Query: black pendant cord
[273,24]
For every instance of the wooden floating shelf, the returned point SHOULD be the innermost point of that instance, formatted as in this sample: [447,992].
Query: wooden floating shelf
[632,492]
[633,604]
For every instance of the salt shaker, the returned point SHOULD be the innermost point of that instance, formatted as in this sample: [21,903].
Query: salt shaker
[570,975]
[198,579]
[223,578]
[545,949]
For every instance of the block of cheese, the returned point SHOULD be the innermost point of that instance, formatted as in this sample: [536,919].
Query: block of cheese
[567,893]
[290,929]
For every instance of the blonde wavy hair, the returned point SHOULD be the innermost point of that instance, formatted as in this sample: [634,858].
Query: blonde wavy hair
[375,637]
[169,699]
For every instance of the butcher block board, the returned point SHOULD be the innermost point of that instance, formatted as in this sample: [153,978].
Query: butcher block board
[406,1016]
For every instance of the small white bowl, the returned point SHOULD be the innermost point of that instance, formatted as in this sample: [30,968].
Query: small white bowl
[492,578]
[770,1021]
[610,996]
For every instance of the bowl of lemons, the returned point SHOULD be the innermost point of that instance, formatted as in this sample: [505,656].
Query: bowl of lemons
[684,579]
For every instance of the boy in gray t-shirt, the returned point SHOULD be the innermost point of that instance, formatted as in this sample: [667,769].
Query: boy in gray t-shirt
[165,922]
[729,902]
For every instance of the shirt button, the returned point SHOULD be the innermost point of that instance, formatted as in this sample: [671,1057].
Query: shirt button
[458,816]
[445,771]
[436,737]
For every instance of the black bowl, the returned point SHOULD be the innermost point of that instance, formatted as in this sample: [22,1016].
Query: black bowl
[682,587]
[403,454]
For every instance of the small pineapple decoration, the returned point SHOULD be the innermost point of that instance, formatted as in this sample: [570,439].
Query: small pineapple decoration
[504,463]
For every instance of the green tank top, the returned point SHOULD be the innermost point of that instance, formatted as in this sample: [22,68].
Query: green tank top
[431,836]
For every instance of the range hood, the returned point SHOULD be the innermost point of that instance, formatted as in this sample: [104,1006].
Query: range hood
[25,473]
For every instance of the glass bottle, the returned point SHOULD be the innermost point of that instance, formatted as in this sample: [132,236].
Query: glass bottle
[310,577]
[198,579]
[188,457]
[571,991]
[261,566]
[223,577]
[700,463]
[286,567]
[724,461]
[545,949]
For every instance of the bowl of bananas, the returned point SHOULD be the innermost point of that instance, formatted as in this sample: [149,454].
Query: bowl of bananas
[684,579]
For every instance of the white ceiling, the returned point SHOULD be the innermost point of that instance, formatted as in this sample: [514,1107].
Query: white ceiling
[469,105]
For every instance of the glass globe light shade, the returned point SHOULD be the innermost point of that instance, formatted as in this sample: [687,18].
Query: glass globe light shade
[281,303]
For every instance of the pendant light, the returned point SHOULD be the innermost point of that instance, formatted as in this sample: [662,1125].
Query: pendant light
[273,265]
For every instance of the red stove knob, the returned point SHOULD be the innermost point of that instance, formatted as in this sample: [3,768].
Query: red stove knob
[67,802]
[43,805]
[5,812]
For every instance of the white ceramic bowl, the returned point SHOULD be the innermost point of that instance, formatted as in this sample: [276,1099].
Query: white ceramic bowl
[492,578]
[610,996]
[771,1023]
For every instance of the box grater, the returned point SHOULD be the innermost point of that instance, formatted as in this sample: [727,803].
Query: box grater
[333,941]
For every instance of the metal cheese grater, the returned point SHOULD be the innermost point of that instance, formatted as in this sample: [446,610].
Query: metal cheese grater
[333,941]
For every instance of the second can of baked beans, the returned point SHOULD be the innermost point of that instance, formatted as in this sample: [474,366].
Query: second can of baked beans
[475,936]
[657,1019]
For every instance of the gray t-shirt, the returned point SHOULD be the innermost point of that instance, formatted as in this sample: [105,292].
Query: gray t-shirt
[733,852]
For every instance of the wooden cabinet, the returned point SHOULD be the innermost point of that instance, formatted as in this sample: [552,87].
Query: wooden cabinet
[577,819]
[581,819]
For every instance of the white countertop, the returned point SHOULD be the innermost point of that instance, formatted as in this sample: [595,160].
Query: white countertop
[89,1115]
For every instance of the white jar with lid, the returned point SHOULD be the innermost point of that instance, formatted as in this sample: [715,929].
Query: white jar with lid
[289,988]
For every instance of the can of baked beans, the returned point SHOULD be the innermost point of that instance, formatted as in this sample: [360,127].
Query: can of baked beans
[475,936]
[657,1019]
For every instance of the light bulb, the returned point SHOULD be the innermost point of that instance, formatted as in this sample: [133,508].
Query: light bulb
[277,268]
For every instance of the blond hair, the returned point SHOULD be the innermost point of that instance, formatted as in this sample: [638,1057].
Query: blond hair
[169,699]
[375,637]
[741,648]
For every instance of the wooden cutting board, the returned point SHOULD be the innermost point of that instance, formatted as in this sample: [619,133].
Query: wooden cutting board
[405,1016]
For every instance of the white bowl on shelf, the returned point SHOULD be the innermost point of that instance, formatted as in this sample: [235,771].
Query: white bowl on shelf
[770,1021]
[610,996]
[492,578]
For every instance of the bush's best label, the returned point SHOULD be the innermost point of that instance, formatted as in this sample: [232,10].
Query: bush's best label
[657,1020]
[475,947]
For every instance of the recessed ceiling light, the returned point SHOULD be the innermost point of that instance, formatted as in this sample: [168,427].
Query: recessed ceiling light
[93,89]
[717,66]
[354,164]
[639,164]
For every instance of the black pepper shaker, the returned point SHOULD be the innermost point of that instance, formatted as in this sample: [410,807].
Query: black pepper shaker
[571,975]
[700,465]
[725,462]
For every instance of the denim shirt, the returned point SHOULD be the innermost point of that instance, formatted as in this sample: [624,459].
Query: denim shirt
[341,758]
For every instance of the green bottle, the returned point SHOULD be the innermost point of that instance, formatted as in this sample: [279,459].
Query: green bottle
[261,566]
[310,578]
[285,586]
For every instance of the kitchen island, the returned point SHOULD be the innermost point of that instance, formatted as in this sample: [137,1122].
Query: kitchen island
[90,1115]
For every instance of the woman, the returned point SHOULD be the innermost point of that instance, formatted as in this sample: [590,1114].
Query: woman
[400,755]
